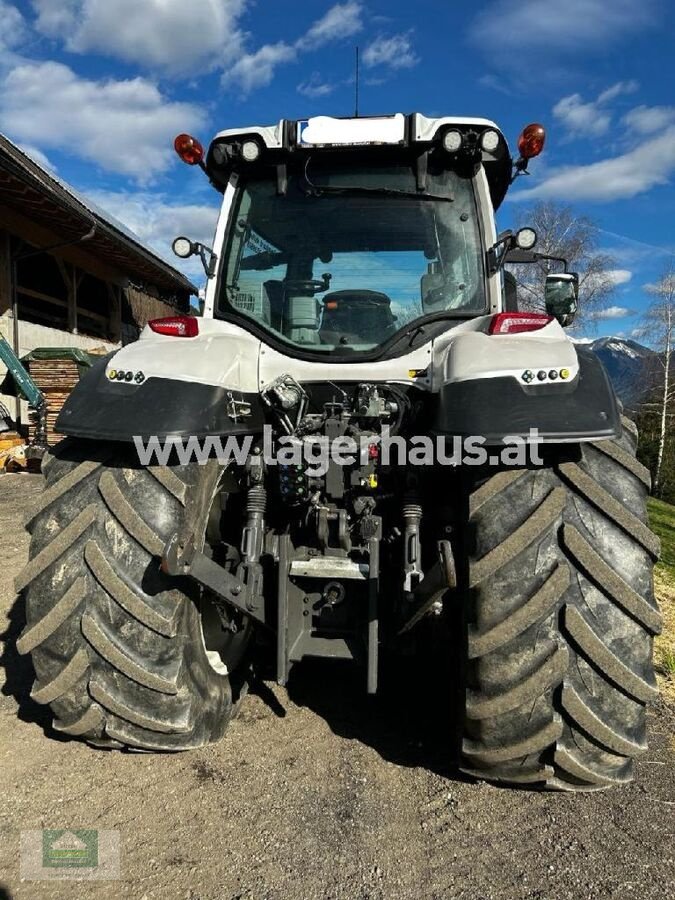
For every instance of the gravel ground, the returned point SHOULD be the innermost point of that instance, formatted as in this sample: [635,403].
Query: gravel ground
[316,792]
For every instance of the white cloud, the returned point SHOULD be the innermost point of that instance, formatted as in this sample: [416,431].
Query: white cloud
[619,177]
[619,276]
[341,21]
[315,86]
[38,156]
[591,118]
[174,36]
[615,90]
[123,126]
[255,70]
[13,29]
[395,51]
[494,83]
[540,25]
[581,118]
[648,119]
[612,312]
[157,219]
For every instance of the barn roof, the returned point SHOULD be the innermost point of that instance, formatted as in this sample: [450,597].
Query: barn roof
[46,200]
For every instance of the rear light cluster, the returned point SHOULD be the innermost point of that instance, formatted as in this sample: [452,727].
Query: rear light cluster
[515,322]
[176,326]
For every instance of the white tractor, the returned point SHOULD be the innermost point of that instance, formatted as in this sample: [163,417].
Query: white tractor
[356,295]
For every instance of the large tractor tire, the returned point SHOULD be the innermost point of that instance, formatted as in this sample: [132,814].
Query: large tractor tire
[560,619]
[123,654]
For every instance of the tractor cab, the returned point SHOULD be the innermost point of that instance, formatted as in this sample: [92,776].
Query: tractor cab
[337,235]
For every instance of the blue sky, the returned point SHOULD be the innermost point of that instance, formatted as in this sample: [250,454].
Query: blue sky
[97,89]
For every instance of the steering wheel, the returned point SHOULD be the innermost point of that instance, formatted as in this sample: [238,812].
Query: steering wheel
[310,285]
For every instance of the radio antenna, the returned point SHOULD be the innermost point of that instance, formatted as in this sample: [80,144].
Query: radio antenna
[356,86]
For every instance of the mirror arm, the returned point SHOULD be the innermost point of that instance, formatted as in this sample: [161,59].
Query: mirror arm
[495,259]
[210,263]
[516,255]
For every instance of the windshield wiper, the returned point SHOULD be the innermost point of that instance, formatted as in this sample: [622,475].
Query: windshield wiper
[317,190]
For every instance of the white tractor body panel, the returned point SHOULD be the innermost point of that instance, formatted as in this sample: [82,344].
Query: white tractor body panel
[425,129]
[226,355]
[329,130]
[222,355]
[468,352]
[272,135]
[273,364]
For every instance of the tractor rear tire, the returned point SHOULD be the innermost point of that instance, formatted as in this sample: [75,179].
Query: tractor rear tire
[560,615]
[119,648]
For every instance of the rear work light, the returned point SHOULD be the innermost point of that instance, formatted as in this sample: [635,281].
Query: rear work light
[515,322]
[176,326]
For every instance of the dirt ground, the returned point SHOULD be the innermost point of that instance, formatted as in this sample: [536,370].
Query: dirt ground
[316,792]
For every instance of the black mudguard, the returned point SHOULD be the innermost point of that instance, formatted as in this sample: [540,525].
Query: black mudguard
[494,408]
[101,409]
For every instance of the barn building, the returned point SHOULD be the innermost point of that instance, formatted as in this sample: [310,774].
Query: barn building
[70,276]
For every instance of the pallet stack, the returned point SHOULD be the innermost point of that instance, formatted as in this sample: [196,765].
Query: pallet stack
[56,378]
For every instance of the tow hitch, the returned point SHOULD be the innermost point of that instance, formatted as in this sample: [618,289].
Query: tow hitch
[182,558]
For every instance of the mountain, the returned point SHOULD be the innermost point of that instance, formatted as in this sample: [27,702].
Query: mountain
[629,365]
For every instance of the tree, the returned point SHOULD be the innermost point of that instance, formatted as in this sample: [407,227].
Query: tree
[659,330]
[560,232]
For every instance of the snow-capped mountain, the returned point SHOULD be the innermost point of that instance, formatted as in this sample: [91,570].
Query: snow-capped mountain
[629,365]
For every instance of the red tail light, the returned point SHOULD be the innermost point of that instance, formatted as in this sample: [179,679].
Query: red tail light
[515,322]
[189,149]
[176,326]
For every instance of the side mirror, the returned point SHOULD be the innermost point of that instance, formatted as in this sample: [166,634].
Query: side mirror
[561,296]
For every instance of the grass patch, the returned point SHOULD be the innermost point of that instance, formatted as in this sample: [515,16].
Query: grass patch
[662,520]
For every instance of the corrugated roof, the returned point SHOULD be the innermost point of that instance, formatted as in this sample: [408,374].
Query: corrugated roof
[30,189]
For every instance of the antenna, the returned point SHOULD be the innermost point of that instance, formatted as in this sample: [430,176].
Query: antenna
[356,86]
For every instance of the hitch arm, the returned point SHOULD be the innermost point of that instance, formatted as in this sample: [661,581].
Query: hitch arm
[430,592]
[182,558]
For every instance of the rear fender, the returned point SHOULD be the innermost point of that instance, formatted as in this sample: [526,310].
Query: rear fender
[170,387]
[498,386]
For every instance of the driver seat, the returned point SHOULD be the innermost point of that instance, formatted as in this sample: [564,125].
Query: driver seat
[356,317]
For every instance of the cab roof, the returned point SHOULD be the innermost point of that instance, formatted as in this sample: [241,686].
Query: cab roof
[398,129]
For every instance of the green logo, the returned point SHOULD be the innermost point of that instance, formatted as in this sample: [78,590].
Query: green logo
[67,848]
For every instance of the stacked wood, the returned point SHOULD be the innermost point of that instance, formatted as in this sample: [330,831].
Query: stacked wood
[56,378]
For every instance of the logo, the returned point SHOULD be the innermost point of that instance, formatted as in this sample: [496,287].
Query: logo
[70,854]
[62,848]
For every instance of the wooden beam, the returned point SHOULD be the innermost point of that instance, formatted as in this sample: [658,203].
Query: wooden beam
[64,270]
[29,292]
[115,306]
